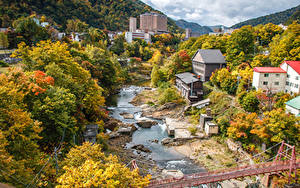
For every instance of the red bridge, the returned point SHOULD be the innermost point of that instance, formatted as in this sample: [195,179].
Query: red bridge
[285,161]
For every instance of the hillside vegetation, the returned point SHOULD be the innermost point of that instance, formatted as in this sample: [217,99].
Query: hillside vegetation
[276,18]
[108,14]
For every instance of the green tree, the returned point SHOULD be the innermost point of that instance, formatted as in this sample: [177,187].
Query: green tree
[249,102]
[118,45]
[30,30]
[155,76]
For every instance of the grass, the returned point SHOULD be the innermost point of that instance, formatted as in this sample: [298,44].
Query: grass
[214,155]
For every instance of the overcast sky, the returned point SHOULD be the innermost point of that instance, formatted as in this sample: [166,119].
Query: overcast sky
[219,12]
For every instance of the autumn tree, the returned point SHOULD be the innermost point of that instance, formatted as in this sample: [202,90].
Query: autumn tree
[225,80]
[286,46]
[56,61]
[19,133]
[277,126]
[88,166]
[240,46]
[241,126]
[265,33]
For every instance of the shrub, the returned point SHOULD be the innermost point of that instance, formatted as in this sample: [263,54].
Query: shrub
[250,102]
[193,130]
[168,95]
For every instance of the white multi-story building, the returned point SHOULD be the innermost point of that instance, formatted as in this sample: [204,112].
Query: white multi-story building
[293,76]
[129,36]
[269,78]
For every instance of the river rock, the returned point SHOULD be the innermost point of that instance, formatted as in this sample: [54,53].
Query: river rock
[154,141]
[113,135]
[167,106]
[146,124]
[127,115]
[141,148]
[125,130]
[147,88]
[166,141]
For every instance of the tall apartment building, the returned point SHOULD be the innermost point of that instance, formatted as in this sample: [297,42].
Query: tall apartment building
[132,24]
[153,22]
[188,33]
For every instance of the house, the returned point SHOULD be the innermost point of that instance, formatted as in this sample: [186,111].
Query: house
[205,62]
[293,106]
[203,119]
[269,78]
[211,128]
[292,68]
[189,86]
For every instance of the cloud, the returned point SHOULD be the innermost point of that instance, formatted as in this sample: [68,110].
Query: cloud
[216,12]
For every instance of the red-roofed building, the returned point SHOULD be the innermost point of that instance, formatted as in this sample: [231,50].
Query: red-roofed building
[269,78]
[293,76]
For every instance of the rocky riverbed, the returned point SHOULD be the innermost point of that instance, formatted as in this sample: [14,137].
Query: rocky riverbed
[140,137]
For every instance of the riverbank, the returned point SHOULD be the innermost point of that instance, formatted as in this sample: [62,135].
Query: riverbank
[210,152]
[117,145]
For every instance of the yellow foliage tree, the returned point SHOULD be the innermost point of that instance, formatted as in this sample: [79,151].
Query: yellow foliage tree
[88,166]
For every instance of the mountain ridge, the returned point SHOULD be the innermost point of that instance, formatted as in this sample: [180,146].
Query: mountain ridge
[195,27]
[109,14]
[275,18]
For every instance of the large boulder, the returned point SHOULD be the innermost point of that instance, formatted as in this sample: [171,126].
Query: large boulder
[142,148]
[146,124]
[113,135]
[167,106]
[167,141]
[125,130]
[127,115]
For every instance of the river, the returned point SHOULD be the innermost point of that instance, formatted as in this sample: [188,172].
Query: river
[165,157]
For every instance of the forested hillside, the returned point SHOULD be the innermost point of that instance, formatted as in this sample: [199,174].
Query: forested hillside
[193,26]
[276,18]
[108,14]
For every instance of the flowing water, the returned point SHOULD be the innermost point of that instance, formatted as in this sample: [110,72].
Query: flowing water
[165,157]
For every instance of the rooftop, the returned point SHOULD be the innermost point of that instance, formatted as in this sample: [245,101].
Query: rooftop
[295,103]
[209,56]
[187,77]
[294,64]
[269,70]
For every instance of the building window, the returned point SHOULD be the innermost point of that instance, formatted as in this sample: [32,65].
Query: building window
[277,75]
[296,85]
[266,75]
[297,77]
[265,83]
[276,83]
[291,84]
[288,76]
[287,83]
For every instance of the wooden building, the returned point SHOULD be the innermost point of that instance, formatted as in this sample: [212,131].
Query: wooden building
[205,62]
[189,86]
